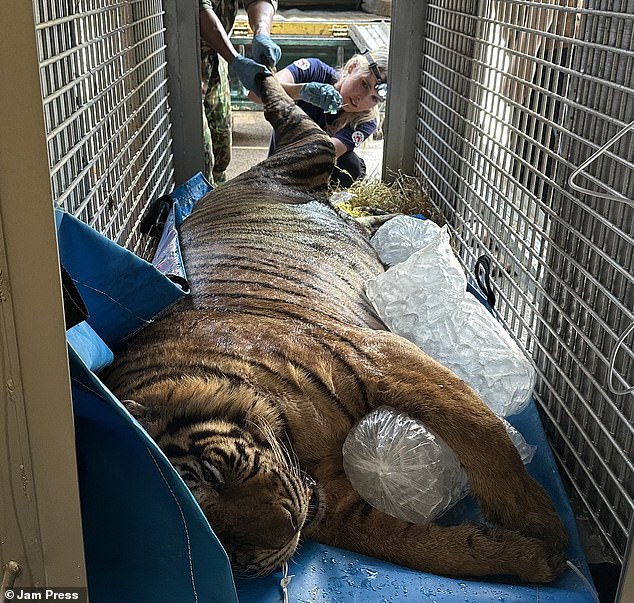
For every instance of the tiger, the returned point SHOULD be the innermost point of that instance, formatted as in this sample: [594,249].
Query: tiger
[251,384]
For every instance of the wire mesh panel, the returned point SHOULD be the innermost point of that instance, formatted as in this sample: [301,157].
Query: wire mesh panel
[104,87]
[514,96]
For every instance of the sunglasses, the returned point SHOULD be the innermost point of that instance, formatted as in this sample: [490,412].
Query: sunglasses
[381,86]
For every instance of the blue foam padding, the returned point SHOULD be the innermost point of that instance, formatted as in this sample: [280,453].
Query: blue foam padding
[122,292]
[146,539]
[89,346]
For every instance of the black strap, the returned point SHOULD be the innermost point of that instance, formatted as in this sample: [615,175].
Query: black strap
[155,216]
[483,278]
[75,310]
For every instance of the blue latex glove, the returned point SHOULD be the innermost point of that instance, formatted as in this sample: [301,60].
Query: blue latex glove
[246,70]
[265,51]
[321,95]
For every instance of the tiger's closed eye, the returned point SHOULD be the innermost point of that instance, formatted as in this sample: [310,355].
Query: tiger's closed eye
[212,474]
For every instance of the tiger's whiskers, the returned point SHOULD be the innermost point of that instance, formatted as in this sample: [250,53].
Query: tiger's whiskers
[284,454]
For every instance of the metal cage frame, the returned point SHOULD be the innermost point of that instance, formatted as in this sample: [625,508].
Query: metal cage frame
[105,92]
[500,103]
[524,133]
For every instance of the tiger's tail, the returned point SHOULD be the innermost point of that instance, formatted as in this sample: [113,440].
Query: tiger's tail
[303,153]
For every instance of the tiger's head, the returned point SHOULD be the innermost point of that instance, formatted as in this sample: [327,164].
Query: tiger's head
[245,479]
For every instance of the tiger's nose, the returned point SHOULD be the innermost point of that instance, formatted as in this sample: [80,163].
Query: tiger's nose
[271,527]
[280,526]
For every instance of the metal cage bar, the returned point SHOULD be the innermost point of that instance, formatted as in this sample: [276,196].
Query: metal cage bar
[513,96]
[103,74]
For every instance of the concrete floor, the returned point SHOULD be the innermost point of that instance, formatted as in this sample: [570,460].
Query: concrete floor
[251,135]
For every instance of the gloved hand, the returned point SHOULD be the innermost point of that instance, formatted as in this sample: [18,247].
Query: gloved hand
[265,51]
[246,70]
[321,95]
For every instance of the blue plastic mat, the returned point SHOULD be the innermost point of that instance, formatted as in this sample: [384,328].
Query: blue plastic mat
[146,539]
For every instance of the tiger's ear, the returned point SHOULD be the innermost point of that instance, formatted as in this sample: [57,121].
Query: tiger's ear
[138,411]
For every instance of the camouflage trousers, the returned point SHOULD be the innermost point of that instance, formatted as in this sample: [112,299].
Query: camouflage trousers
[217,124]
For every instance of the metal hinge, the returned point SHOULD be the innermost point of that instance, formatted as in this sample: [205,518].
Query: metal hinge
[9,573]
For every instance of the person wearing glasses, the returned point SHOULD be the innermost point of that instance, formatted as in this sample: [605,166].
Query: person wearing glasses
[343,102]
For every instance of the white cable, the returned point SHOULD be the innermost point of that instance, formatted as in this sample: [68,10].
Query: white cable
[587,582]
[594,157]
[618,345]
[284,582]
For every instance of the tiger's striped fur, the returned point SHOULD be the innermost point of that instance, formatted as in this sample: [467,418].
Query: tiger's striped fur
[256,379]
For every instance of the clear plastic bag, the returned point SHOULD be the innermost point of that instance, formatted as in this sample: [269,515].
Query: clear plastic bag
[526,451]
[401,236]
[425,300]
[404,469]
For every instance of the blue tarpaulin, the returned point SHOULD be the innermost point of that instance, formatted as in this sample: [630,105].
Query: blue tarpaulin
[145,537]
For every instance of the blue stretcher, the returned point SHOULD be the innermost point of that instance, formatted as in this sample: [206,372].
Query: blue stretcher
[146,539]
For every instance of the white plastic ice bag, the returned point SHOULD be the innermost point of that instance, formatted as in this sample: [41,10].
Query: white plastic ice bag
[404,469]
[401,236]
[425,300]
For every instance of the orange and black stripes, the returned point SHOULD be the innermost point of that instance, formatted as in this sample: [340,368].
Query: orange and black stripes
[228,374]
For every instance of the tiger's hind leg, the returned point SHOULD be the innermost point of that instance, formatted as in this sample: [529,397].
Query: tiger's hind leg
[400,375]
[467,549]
[304,155]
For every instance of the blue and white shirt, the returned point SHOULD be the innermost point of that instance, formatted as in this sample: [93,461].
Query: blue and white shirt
[315,70]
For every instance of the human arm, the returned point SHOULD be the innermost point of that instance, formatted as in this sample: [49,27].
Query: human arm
[260,14]
[214,35]
[320,94]
[340,147]
[294,90]
[285,77]
[350,137]
[263,49]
